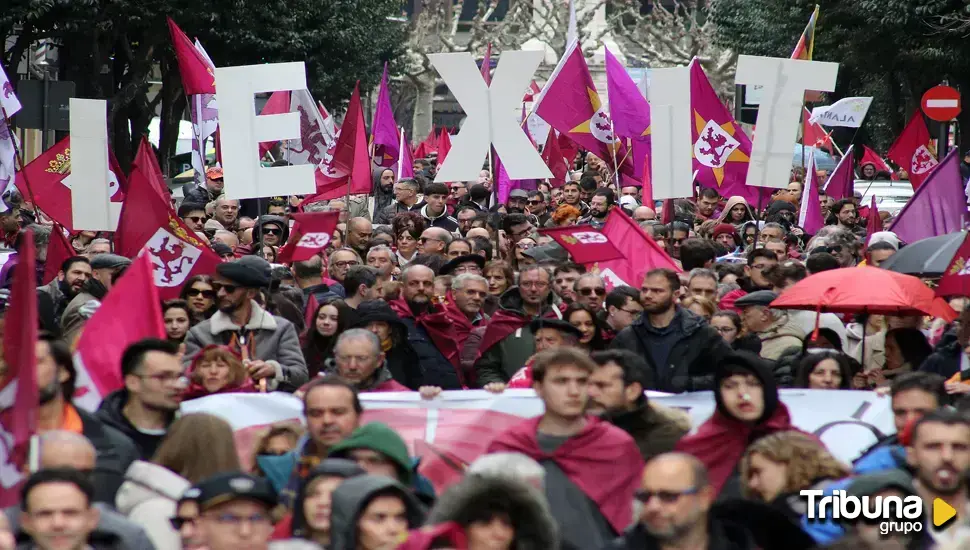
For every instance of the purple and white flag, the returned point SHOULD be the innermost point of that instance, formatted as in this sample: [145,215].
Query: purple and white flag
[204,113]
[8,148]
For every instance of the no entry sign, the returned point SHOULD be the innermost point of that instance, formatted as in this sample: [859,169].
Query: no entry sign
[941,103]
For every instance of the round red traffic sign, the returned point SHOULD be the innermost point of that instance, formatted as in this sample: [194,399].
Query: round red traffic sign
[941,103]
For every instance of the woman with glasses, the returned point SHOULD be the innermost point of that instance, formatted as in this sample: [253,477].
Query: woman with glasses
[200,296]
[521,259]
[332,317]
[197,446]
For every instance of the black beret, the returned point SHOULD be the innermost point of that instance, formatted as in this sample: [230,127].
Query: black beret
[247,272]
[557,324]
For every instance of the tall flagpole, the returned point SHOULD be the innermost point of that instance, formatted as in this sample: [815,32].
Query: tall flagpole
[400,154]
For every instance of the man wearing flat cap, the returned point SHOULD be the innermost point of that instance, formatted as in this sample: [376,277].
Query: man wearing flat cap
[105,270]
[269,345]
[777,331]
[234,511]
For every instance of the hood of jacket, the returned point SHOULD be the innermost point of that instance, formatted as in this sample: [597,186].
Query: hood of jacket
[785,325]
[271,219]
[731,203]
[377,437]
[145,481]
[535,528]
[382,197]
[352,497]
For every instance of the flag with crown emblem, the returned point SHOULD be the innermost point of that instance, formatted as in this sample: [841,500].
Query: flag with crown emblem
[911,151]
[721,148]
[570,103]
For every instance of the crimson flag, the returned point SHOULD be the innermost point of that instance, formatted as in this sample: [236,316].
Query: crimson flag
[59,249]
[18,392]
[349,170]
[310,235]
[197,74]
[584,243]
[910,151]
[640,252]
[50,186]
[444,146]
[813,135]
[131,311]
[873,223]
[148,220]
[553,157]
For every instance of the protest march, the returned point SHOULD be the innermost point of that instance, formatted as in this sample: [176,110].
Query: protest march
[601,312]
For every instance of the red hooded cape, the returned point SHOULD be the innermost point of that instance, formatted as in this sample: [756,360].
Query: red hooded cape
[721,440]
[439,325]
[602,460]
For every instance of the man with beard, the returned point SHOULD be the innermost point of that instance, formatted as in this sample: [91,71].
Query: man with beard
[517,201]
[268,344]
[939,455]
[564,281]
[600,205]
[52,298]
[153,384]
[538,207]
[105,270]
[616,394]
[430,333]
[56,376]
[680,348]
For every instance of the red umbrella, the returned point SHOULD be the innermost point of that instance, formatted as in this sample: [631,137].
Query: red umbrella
[867,290]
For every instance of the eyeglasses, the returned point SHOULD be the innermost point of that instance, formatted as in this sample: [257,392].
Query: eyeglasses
[423,240]
[192,292]
[633,312]
[197,219]
[599,291]
[165,378]
[178,521]
[216,287]
[272,231]
[534,202]
[348,263]
[232,519]
[667,497]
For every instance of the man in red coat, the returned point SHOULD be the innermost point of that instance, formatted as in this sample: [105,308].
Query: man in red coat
[592,467]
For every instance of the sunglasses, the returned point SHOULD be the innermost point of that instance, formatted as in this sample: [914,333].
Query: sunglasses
[271,231]
[197,219]
[216,287]
[199,292]
[534,202]
[667,497]
[591,291]
[178,521]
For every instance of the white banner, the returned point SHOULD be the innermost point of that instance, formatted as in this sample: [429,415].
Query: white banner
[457,426]
[848,112]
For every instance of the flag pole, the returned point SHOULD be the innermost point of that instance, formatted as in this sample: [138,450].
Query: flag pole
[400,154]
[616,171]
[19,156]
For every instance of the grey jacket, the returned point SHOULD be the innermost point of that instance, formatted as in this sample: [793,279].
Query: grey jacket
[113,531]
[277,343]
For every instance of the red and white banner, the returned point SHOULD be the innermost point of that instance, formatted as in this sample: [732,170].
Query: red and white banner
[451,431]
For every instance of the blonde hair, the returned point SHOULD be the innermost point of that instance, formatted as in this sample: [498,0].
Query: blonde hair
[806,458]
[237,373]
[293,430]
[705,304]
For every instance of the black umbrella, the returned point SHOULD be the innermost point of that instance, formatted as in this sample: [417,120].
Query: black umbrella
[926,258]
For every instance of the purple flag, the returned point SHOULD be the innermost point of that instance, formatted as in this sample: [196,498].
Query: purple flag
[629,110]
[810,212]
[938,207]
[841,184]
[384,135]
[405,169]
[504,185]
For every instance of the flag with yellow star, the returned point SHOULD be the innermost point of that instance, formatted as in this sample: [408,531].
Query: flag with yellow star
[721,148]
[570,103]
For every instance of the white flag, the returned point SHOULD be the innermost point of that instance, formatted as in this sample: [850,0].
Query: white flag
[572,32]
[847,112]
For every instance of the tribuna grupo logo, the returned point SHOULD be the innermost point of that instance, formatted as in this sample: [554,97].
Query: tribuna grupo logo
[894,514]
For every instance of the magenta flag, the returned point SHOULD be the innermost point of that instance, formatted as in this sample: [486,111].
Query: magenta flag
[405,168]
[938,207]
[629,110]
[721,148]
[841,182]
[505,185]
[384,134]
[810,212]
[570,103]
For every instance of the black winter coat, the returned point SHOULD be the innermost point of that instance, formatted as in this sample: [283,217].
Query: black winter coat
[690,365]
[945,361]
[436,369]
[115,452]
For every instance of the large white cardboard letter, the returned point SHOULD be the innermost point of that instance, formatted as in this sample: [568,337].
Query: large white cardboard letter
[784,82]
[91,205]
[242,131]
[491,116]
[672,155]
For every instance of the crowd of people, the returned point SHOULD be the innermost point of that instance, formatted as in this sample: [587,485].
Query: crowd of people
[428,287]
